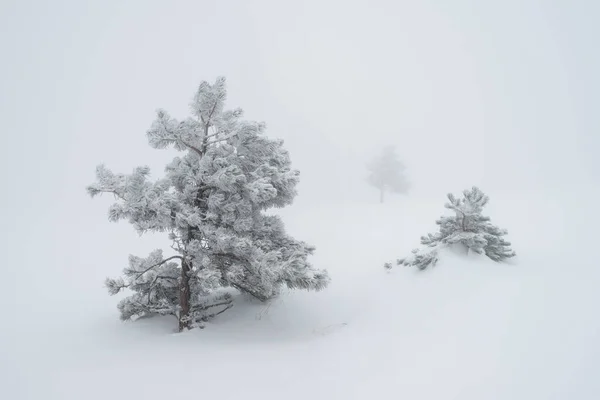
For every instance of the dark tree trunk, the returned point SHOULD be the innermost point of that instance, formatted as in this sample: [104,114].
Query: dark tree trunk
[184,297]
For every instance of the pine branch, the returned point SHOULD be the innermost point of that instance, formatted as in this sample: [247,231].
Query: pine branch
[240,260]
[210,114]
[249,291]
[206,307]
[211,135]
[220,140]
[197,150]
[220,312]
[178,248]
[207,125]
[95,191]
[156,265]
[161,277]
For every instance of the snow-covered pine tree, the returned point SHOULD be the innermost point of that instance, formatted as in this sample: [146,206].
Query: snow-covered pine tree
[466,228]
[211,203]
[386,173]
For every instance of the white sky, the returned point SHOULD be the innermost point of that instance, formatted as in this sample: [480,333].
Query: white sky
[498,93]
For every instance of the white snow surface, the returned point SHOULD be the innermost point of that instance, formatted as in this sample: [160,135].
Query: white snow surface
[467,329]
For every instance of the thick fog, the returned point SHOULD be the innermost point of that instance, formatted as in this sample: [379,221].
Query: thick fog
[491,93]
[500,94]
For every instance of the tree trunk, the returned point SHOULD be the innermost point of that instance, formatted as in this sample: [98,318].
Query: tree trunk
[381,195]
[184,296]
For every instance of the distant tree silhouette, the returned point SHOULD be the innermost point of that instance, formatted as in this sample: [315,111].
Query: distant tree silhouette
[386,173]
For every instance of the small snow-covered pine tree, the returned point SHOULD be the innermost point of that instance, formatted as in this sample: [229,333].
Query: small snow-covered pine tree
[466,228]
[211,204]
[386,173]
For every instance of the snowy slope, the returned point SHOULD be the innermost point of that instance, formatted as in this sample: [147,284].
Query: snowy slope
[468,329]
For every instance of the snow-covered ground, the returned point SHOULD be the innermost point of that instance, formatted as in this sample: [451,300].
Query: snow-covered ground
[467,329]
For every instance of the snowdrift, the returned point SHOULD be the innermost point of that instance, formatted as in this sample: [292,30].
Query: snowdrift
[467,329]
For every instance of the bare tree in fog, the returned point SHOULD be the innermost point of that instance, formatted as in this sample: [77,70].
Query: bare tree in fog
[386,173]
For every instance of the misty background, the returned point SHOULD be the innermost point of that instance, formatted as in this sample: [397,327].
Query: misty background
[500,94]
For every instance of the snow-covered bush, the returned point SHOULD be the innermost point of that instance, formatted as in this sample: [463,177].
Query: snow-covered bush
[467,228]
[210,203]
